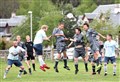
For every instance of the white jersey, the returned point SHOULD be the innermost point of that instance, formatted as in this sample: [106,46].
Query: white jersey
[110,47]
[14,52]
[40,35]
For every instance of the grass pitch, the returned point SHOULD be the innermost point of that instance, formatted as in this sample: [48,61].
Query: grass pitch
[62,76]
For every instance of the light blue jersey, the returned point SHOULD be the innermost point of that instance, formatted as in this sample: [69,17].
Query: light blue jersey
[110,47]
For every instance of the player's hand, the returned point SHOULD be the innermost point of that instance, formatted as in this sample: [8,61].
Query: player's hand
[50,36]
[66,39]
[62,35]
[26,56]
[68,47]
[73,40]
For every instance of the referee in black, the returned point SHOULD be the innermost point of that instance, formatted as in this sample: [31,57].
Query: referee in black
[29,47]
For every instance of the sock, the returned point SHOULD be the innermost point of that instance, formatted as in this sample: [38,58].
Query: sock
[30,70]
[100,70]
[114,69]
[76,66]
[65,62]
[20,72]
[6,72]
[41,61]
[33,65]
[97,62]
[86,66]
[56,63]
[105,68]
[93,69]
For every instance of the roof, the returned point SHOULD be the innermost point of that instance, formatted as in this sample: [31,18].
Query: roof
[114,10]
[14,21]
[106,8]
[91,15]
[115,18]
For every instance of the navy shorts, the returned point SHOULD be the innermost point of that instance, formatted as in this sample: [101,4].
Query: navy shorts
[38,49]
[15,62]
[112,59]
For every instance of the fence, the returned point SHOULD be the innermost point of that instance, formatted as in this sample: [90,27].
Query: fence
[48,54]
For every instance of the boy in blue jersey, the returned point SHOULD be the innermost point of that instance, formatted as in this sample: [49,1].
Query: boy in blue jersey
[109,47]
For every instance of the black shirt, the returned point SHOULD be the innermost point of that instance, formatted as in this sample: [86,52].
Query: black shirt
[29,46]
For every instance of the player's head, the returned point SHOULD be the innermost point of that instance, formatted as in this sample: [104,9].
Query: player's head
[109,36]
[15,43]
[18,38]
[44,27]
[77,30]
[61,25]
[28,38]
[85,26]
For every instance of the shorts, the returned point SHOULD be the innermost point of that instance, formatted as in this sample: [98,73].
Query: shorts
[38,49]
[94,47]
[30,56]
[112,59]
[79,52]
[15,62]
[61,47]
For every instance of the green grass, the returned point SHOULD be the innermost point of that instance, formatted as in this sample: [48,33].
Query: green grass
[62,76]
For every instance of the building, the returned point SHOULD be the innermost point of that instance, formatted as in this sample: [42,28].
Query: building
[7,24]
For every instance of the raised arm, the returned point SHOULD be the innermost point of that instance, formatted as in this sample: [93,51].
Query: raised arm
[101,35]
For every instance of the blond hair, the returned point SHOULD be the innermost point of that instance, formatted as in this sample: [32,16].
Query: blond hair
[44,27]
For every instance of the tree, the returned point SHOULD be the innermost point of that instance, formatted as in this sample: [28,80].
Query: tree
[44,12]
[104,25]
[7,7]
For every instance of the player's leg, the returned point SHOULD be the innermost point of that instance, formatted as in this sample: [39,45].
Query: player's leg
[57,61]
[28,65]
[33,61]
[65,60]
[10,62]
[76,55]
[38,49]
[93,68]
[100,62]
[21,57]
[59,50]
[85,59]
[114,69]
[42,63]
[113,60]
[33,64]
[19,64]
[105,65]
[20,71]
[76,65]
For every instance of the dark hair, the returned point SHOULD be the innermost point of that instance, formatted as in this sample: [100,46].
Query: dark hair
[86,24]
[61,23]
[110,35]
[78,29]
